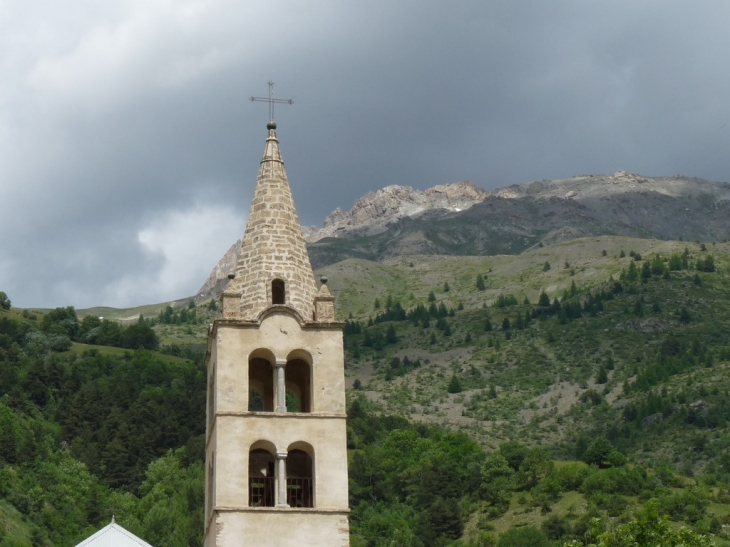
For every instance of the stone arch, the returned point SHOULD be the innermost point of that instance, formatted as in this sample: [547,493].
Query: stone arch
[300,475]
[261,474]
[302,354]
[261,380]
[264,444]
[278,310]
[298,374]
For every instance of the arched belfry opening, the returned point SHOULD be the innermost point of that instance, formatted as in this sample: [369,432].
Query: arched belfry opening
[278,291]
[261,476]
[300,476]
[260,384]
[298,384]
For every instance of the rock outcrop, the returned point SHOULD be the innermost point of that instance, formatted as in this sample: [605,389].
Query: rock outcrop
[218,278]
[375,211]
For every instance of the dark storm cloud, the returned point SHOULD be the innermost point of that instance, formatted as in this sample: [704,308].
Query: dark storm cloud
[130,150]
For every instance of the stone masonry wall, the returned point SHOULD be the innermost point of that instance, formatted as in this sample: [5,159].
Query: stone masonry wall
[273,246]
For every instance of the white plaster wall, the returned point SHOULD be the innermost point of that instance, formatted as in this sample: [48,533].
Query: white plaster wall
[276,529]
[281,334]
[327,436]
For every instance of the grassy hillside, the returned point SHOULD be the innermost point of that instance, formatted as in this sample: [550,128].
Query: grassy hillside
[529,383]
[474,405]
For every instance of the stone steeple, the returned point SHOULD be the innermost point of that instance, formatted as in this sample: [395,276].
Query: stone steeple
[276,431]
[273,248]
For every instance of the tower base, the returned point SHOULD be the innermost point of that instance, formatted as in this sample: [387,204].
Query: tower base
[274,527]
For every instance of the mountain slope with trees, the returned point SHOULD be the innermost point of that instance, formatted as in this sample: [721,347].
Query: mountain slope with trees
[573,392]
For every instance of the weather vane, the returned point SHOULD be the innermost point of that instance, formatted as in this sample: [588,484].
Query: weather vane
[270,99]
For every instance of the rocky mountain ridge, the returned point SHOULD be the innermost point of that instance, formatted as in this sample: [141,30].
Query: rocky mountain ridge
[373,212]
[463,219]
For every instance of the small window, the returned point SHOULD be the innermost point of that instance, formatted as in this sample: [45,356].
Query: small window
[278,292]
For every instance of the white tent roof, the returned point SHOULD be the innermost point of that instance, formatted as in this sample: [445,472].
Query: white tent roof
[113,536]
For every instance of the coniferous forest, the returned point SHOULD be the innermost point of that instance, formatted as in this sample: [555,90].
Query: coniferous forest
[567,410]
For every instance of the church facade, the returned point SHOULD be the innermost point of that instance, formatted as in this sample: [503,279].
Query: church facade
[276,456]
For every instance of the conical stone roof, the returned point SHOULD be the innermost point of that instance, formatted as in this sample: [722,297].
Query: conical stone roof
[273,246]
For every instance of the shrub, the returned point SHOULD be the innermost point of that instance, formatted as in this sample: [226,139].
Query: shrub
[514,453]
[648,529]
[497,481]
[626,480]
[572,475]
[523,537]
[616,459]
[689,505]
[597,452]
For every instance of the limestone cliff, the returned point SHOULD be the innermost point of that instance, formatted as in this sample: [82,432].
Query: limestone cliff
[373,212]
[218,278]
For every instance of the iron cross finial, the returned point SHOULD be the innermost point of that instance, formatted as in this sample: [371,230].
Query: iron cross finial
[271,100]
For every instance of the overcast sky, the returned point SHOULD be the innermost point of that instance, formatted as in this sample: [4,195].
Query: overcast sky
[129,149]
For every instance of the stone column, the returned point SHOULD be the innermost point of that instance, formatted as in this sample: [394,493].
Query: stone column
[280,385]
[281,479]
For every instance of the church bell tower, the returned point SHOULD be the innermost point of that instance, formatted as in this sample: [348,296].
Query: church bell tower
[276,455]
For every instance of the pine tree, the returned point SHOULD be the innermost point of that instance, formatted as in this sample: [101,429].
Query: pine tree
[632,274]
[519,323]
[480,282]
[645,271]
[454,385]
